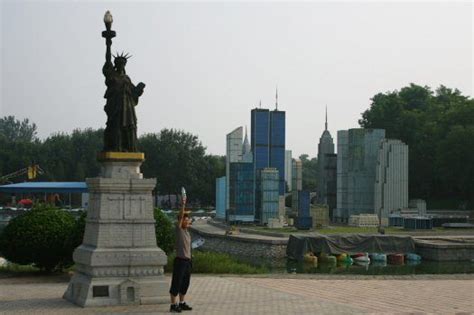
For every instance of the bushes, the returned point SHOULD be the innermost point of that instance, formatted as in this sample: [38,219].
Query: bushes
[164,229]
[42,236]
[76,235]
[46,237]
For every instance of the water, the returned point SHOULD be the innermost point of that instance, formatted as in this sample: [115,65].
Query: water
[409,268]
[374,268]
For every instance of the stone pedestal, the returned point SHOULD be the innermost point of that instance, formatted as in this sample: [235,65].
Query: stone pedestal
[119,262]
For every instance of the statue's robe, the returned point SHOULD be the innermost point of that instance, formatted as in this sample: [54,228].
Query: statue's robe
[122,96]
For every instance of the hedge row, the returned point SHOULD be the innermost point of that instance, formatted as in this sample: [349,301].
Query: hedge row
[46,237]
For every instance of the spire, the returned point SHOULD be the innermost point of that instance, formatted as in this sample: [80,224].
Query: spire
[326,124]
[246,144]
[276,99]
[260,104]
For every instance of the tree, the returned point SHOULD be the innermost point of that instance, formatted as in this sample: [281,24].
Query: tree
[86,144]
[71,157]
[176,159]
[57,157]
[15,130]
[437,126]
[18,144]
[213,166]
[16,155]
[310,171]
[454,174]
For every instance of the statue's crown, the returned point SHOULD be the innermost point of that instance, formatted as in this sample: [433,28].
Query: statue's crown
[122,56]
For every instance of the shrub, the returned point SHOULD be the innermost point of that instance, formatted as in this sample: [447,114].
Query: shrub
[76,236]
[39,237]
[164,229]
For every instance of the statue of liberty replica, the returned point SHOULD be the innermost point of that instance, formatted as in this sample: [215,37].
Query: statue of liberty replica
[122,96]
[119,262]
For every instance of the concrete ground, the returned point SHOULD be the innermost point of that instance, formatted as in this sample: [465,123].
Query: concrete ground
[269,294]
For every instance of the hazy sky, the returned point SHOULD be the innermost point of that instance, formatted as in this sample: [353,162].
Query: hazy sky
[207,64]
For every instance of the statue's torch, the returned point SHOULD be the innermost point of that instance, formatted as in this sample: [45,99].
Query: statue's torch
[108,33]
[108,19]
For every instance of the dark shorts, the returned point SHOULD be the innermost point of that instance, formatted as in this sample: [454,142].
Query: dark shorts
[181,276]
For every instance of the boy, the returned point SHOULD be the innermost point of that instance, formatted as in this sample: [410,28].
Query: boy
[182,264]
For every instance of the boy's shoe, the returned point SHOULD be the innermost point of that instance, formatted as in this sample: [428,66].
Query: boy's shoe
[185,307]
[174,308]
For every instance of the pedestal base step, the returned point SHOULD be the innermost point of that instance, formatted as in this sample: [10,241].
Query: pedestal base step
[85,291]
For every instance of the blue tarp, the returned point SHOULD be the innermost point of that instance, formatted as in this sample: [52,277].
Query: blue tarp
[45,187]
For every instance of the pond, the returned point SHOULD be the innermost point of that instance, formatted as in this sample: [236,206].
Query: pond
[374,268]
[423,267]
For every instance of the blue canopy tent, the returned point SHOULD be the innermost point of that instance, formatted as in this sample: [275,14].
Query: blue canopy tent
[45,187]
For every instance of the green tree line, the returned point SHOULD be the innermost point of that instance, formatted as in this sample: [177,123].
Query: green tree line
[438,127]
[439,130]
[310,172]
[176,158]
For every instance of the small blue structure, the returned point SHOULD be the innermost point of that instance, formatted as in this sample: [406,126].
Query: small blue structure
[220,197]
[303,203]
[418,223]
[49,188]
[241,193]
[304,223]
[268,193]
[395,220]
[45,187]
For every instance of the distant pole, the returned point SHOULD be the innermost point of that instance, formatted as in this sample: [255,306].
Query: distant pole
[276,98]
[381,231]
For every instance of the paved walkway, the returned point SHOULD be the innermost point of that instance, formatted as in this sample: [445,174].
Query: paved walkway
[266,295]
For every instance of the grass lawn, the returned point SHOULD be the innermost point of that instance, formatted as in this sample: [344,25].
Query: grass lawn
[12,269]
[217,263]
[287,229]
[15,269]
[203,262]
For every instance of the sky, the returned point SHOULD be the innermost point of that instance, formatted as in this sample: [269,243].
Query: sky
[207,64]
